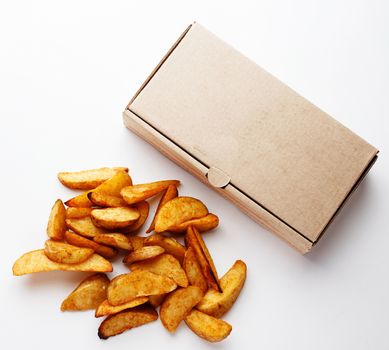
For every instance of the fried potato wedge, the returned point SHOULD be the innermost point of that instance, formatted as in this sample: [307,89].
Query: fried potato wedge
[77,213]
[80,241]
[203,224]
[89,294]
[66,253]
[137,242]
[125,320]
[114,218]
[105,200]
[37,261]
[84,227]
[105,308]
[208,327]
[165,265]
[137,193]
[177,211]
[170,193]
[143,208]
[117,240]
[177,306]
[193,270]
[170,245]
[129,286]
[216,304]
[156,300]
[56,226]
[111,187]
[143,254]
[87,179]
[194,240]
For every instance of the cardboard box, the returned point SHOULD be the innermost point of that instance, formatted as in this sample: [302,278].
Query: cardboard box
[279,158]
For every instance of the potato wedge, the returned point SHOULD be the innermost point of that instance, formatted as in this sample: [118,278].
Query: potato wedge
[84,227]
[66,253]
[143,254]
[208,327]
[117,240]
[156,300]
[216,304]
[77,213]
[137,193]
[206,223]
[105,308]
[111,187]
[80,241]
[193,270]
[165,265]
[56,226]
[177,211]
[114,218]
[137,242]
[193,239]
[177,306]
[37,261]
[126,287]
[89,294]
[105,200]
[87,179]
[143,208]
[170,193]
[170,245]
[125,320]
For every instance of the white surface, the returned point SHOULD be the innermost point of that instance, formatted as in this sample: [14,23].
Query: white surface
[67,71]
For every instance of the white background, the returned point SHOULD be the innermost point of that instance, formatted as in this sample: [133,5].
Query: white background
[68,69]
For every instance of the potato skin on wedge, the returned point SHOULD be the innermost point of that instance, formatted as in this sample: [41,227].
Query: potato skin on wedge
[89,294]
[125,320]
[37,261]
[56,226]
[207,327]
[105,308]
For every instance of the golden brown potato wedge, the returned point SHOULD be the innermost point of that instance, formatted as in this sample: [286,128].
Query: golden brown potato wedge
[203,224]
[193,270]
[143,208]
[105,200]
[80,241]
[77,213]
[143,254]
[84,227]
[111,187]
[165,265]
[194,240]
[177,306]
[89,294]
[170,245]
[117,240]
[37,261]
[87,179]
[170,193]
[217,304]
[56,226]
[66,253]
[156,300]
[208,327]
[137,242]
[105,308]
[137,193]
[114,218]
[177,211]
[125,320]
[126,287]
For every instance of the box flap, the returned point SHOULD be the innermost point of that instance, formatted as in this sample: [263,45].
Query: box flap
[271,144]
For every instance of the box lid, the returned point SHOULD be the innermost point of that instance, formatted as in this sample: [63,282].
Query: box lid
[253,131]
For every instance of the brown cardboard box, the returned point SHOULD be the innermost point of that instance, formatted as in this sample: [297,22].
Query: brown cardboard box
[279,158]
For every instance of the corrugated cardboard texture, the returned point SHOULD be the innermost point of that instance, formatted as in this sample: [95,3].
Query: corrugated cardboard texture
[262,141]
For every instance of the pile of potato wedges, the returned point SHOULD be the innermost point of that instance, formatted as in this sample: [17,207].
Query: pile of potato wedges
[89,230]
